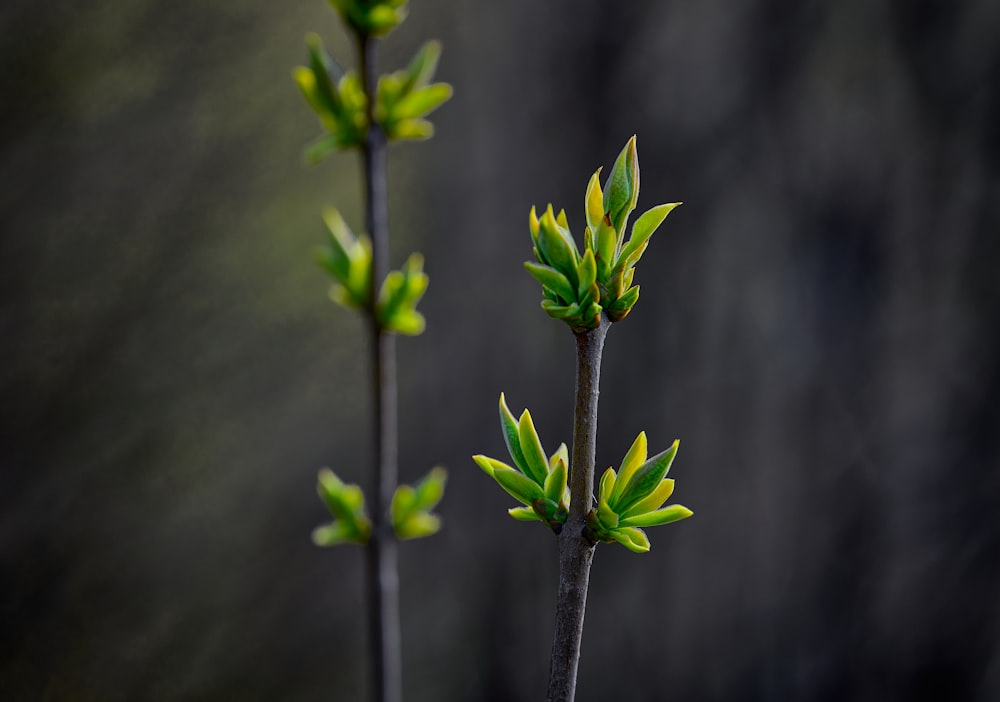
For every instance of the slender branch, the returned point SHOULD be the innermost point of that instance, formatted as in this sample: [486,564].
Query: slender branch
[382,569]
[576,551]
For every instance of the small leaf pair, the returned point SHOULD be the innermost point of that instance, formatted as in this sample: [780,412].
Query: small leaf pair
[347,505]
[634,496]
[348,260]
[373,18]
[411,506]
[405,97]
[578,288]
[537,482]
[338,98]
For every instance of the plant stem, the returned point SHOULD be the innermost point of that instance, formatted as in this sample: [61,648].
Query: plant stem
[576,551]
[382,568]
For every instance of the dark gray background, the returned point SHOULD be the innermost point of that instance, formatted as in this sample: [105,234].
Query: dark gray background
[818,324]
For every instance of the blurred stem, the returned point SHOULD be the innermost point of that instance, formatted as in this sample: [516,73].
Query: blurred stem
[576,550]
[382,570]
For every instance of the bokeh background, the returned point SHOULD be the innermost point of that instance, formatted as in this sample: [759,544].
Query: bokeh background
[818,324]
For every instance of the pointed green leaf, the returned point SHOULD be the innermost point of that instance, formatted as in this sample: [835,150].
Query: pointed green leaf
[332,534]
[552,279]
[621,190]
[533,225]
[655,500]
[606,486]
[646,479]
[594,205]
[490,465]
[555,482]
[422,67]
[422,101]
[607,239]
[430,490]
[673,513]
[561,219]
[557,247]
[630,464]
[531,447]
[644,227]
[520,487]
[560,311]
[587,274]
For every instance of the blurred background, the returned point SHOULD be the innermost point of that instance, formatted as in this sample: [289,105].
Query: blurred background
[818,324]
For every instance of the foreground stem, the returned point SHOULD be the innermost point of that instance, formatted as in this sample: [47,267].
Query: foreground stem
[576,550]
[382,569]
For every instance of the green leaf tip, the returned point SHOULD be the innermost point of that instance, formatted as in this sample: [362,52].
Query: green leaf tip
[406,97]
[401,102]
[577,288]
[348,260]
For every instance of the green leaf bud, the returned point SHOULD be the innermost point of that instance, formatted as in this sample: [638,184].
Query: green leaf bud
[621,190]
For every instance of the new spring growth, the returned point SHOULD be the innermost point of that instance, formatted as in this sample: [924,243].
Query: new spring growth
[631,498]
[634,497]
[537,482]
[410,513]
[577,288]
[402,101]
[348,260]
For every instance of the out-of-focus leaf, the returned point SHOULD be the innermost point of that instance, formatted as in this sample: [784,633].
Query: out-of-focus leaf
[489,465]
[509,428]
[594,206]
[422,101]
